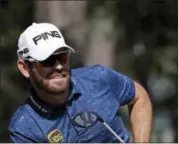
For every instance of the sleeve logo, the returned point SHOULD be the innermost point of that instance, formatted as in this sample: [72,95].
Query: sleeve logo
[55,136]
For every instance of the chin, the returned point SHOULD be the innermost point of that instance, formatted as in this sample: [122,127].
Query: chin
[61,85]
[58,87]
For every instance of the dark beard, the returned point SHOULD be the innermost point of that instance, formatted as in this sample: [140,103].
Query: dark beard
[43,84]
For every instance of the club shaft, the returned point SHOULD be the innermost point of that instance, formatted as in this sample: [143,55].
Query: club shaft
[111,130]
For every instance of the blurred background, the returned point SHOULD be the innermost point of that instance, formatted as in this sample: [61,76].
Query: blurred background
[137,38]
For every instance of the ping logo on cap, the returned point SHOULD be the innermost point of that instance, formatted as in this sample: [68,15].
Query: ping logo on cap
[24,51]
[55,136]
[45,36]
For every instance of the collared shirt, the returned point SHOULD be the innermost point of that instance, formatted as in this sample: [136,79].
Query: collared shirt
[93,89]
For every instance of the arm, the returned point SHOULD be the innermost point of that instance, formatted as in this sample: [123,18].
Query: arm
[128,92]
[141,115]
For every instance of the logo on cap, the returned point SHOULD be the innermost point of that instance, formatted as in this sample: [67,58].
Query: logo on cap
[24,51]
[55,136]
[45,36]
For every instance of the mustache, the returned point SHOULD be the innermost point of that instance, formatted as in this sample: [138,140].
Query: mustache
[60,72]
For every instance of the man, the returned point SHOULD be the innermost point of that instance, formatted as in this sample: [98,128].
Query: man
[64,104]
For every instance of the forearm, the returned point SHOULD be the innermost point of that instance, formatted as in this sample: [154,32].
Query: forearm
[141,117]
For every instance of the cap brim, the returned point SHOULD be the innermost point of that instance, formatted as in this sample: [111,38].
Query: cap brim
[42,54]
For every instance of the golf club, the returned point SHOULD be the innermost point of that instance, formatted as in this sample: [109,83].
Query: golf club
[88,119]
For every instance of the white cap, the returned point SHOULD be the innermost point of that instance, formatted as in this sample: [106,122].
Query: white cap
[39,41]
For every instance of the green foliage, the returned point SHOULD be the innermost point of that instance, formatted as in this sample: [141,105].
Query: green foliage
[15,15]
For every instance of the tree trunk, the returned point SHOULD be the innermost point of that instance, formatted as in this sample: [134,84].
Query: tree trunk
[102,40]
[69,16]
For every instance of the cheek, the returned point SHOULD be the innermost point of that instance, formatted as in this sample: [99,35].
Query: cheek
[42,72]
[67,65]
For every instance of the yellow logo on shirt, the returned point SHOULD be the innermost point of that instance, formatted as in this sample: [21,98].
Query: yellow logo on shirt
[55,136]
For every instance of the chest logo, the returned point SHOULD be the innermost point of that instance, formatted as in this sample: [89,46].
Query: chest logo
[85,119]
[55,136]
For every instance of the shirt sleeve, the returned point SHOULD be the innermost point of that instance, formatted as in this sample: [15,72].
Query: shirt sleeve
[122,86]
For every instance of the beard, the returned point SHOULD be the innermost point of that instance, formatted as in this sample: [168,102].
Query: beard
[52,84]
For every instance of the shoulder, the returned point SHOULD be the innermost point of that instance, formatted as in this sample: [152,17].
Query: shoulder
[23,126]
[20,118]
[100,74]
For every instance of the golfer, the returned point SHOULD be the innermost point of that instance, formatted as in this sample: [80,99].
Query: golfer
[62,103]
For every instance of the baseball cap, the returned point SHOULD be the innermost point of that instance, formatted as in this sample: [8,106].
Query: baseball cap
[39,41]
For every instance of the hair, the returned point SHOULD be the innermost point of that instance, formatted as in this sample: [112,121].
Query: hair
[29,64]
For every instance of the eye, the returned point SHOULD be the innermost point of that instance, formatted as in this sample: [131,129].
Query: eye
[48,62]
[62,59]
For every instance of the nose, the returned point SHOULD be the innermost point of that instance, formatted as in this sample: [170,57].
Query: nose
[58,65]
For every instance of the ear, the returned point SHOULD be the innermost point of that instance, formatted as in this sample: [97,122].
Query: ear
[23,67]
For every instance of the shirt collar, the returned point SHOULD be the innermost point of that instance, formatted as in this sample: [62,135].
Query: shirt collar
[74,89]
[46,108]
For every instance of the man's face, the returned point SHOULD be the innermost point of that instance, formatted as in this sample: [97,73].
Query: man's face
[53,74]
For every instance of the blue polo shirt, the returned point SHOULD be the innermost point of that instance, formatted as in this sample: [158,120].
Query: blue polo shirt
[94,88]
